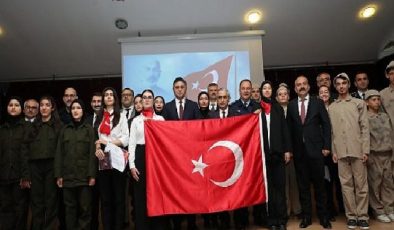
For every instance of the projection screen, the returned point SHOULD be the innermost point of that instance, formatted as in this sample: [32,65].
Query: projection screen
[223,58]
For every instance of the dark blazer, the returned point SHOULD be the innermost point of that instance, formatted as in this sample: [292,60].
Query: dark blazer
[280,140]
[315,133]
[190,111]
[216,113]
[356,95]
[241,109]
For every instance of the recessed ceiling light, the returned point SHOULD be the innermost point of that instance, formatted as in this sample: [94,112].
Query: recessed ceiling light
[367,11]
[253,17]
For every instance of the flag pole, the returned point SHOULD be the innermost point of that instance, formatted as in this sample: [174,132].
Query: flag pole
[235,75]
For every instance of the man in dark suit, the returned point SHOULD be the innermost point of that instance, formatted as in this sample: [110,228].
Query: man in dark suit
[311,134]
[361,82]
[181,108]
[244,105]
[223,110]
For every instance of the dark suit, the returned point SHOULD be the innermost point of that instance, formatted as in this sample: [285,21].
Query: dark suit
[216,113]
[241,216]
[190,112]
[239,106]
[309,139]
[357,95]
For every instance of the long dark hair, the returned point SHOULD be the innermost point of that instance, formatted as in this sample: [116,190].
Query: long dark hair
[116,112]
[57,123]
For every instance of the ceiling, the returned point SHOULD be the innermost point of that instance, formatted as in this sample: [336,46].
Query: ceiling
[77,38]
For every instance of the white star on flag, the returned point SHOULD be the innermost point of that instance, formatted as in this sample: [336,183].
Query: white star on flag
[199,166]
[195,85]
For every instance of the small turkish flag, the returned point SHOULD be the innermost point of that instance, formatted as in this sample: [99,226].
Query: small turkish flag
[204,166]
[215,73]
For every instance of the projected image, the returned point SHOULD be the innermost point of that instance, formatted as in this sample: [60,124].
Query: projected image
[157,72]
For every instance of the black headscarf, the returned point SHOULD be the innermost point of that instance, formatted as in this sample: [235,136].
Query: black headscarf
[14,119]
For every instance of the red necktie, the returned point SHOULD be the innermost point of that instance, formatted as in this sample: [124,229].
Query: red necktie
[302,111]
[180,110]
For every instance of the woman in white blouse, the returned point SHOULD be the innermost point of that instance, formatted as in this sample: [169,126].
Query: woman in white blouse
[113,129]
[137,162]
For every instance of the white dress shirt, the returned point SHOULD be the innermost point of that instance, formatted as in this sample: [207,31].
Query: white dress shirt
[214,104]
[225,113]
[119,132]
[306,103]
[124,111]
[177,105]
[137,135]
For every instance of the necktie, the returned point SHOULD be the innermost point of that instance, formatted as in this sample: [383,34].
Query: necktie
[212,107]
[223,114]
[363,96]
[127,113]
[180,110]
[246,104]
[302,111]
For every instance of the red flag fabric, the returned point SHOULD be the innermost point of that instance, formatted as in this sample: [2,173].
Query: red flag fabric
[204,166]
[215,73]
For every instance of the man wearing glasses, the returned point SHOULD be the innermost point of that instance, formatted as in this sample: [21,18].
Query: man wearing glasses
[30,109]
[70,94]
[127,103]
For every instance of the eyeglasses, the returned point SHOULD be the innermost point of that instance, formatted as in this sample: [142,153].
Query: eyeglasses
[147,97]
[31,107]
[222,97]
[126,95]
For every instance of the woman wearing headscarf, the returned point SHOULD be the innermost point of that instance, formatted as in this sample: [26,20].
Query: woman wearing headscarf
[75,167]
[277,148]
[158,105]
[13,197]
[203,104]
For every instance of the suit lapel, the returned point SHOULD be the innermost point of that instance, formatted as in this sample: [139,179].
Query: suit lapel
[297,111]
[308,110]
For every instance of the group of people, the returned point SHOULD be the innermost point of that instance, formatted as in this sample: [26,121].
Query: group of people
[58,162]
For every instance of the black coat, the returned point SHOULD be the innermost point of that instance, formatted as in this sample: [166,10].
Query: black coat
[216,113]
[315,133]
[190,111]
[279,141]
[241,109]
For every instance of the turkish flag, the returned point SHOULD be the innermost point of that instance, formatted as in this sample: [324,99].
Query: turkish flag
[204,166]
[215,73]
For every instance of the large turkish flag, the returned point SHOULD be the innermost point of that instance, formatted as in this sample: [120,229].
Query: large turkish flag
[204,166]
[215,73]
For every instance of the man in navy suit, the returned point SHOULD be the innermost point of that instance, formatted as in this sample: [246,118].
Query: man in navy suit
[310,129]
[181,108]
[245,104]
[223,110]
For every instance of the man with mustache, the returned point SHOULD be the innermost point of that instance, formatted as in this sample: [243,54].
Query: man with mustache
[70,94]
[310,129]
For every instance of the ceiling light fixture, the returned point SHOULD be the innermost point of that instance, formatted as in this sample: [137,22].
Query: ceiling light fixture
[121,23]
[253,17]
[367,11]
[1,31]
